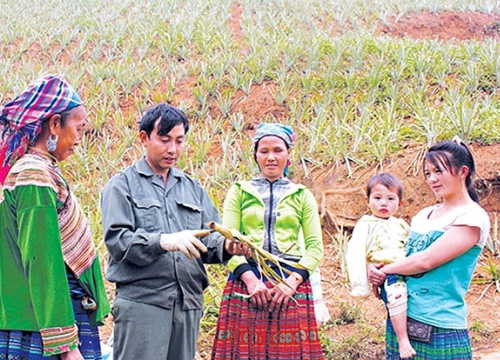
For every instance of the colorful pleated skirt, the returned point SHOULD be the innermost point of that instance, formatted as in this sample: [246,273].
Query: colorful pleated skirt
[446,344]
[244,332]
[27,345]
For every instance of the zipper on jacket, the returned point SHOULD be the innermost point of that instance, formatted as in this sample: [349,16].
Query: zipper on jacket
[270,217]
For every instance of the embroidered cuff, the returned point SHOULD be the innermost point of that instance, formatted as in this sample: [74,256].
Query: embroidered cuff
[58,340]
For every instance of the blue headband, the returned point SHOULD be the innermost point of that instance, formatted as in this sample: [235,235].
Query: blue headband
[284,132]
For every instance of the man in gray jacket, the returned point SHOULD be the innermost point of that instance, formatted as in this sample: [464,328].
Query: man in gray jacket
[152,215]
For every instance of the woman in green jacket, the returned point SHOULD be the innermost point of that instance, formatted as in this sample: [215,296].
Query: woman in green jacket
[258,320]
[51,285]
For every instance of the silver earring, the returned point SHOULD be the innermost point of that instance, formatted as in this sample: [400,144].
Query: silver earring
[52,143]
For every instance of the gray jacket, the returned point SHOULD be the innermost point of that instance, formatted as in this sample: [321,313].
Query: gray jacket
[137,208]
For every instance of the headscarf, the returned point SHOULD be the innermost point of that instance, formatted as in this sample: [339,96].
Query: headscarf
[284,132]
[22,118]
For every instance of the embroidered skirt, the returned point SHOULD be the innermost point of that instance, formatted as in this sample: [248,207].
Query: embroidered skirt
[244,332]
[446,344]
[27,345]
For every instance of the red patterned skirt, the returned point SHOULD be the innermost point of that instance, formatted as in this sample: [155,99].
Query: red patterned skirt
[244,332]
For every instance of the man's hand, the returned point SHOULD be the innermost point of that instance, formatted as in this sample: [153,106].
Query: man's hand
[237,248]
[185,241]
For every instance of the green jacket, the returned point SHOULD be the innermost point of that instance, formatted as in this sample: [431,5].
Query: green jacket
[34,288]
[297,214]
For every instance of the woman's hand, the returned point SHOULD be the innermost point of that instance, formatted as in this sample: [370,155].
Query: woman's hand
[282,293]
[260,295]
[74,354]
[375,275]
[237,248]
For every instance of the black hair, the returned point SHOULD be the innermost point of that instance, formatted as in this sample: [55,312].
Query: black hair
[387,180]
[256,145]
[65,115]
[169,118]
[451,156]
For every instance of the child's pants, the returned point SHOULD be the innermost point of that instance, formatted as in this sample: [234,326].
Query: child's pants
[395,295]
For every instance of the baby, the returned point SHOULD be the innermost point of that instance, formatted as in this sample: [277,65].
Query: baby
[381,238]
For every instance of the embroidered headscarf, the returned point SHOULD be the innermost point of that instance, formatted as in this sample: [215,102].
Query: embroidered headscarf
[284,132]
[22,118]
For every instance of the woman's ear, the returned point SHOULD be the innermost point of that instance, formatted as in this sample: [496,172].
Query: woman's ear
[54,123]
[464,171]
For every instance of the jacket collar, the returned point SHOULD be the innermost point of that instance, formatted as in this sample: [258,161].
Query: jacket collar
[144,169]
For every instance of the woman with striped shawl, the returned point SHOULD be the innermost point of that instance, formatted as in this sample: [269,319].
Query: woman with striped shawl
[51,285]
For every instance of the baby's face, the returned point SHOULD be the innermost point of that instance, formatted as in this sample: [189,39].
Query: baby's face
[383,202]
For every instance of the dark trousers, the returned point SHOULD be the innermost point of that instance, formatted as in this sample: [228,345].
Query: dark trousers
[150,332]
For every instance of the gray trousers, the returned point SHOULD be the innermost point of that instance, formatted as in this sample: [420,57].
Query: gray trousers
[149,332]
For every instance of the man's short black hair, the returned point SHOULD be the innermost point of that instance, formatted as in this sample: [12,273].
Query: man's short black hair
[169,118]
